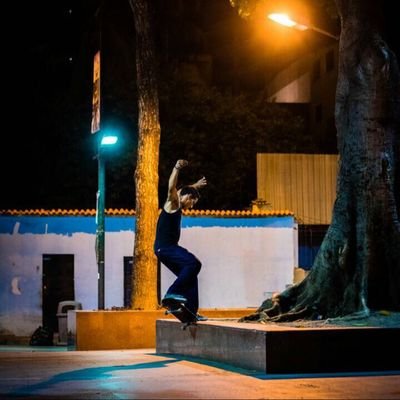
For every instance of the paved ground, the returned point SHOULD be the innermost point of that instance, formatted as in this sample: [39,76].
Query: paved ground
[142,374]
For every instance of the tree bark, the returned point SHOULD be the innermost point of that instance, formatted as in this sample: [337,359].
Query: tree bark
[144,271]
[357,268]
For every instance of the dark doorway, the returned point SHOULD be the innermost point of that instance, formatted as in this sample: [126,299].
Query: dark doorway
[57,285]
[128,268]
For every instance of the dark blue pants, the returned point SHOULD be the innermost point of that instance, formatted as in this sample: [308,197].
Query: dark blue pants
[186,268]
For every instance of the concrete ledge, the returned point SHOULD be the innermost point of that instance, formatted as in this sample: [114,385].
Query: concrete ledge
[127,329]
[275,349]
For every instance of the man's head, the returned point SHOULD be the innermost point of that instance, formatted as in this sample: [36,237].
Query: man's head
[188,196]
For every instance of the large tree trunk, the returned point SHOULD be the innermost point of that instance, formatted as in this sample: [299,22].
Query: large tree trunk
[358,266]
[144,276]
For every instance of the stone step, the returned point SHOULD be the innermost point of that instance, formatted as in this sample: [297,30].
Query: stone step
[276,349]
[126,329]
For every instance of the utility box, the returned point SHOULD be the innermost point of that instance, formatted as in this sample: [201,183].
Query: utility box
[62,313]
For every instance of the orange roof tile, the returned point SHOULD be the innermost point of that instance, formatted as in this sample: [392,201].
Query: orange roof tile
[127,212]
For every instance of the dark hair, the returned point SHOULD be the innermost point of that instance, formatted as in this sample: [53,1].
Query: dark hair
[194,193]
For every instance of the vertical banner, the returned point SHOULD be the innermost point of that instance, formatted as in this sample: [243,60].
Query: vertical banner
[96,94]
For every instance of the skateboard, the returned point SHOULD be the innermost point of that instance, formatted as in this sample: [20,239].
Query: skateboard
[180,311]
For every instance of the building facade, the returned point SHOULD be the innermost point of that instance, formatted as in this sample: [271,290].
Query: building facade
[49,257]
[311,80]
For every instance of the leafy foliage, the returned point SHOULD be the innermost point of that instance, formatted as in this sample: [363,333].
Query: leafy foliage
[220,134]
[246,8]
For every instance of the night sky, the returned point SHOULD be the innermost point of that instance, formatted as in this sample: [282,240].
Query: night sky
[47,159]
[48,82]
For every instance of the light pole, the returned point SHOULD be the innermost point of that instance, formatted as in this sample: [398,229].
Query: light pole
[104,143]
[285,20]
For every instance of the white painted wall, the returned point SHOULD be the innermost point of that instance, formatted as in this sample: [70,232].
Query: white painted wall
[243,261]
[240,266]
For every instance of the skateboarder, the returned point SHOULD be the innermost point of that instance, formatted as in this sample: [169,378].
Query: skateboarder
[177,259]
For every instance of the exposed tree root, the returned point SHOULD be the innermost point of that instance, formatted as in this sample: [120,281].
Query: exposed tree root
[360,315]
[304,313]
[285,307]
[273,315]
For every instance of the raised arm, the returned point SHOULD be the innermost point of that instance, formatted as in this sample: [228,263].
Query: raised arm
[172,202]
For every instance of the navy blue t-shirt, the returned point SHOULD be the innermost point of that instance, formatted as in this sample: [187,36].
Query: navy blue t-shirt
[168,229]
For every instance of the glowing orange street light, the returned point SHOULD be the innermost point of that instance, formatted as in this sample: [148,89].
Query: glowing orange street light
[285,20]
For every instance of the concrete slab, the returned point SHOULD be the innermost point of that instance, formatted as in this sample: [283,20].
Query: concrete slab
[126,329]
[278,349]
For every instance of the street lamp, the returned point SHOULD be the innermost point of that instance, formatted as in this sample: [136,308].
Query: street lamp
[285,20]
[105,142]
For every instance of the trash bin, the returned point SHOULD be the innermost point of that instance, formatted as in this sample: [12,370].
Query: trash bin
[63,307]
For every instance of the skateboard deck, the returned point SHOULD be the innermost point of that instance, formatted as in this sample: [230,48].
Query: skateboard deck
[180,311]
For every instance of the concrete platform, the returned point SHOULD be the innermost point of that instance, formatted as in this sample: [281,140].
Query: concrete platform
[126,329]
[277,349]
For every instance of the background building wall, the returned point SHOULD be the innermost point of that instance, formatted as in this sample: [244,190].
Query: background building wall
[244,260]
[311,79]
[302,183]
[292,84]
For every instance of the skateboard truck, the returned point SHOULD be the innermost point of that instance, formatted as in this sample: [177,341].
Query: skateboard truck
[178,310]
[186,324]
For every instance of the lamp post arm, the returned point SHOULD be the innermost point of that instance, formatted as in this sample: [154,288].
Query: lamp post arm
[323,32]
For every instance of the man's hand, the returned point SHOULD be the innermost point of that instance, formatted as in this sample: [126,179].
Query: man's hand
[181,164]
[200,183]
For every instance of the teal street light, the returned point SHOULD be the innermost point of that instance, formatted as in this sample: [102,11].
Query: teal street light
[108,140]
[105,142]
[285,20]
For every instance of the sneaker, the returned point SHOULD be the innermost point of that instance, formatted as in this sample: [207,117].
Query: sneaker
[174,297]
[201,317]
